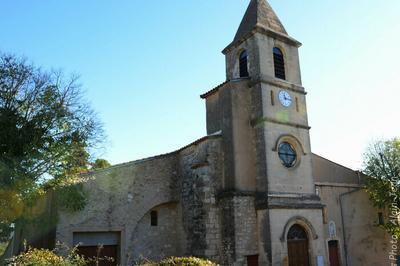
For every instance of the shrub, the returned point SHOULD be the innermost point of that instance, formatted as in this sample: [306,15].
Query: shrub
[45,257]
[3,247]
[189,261]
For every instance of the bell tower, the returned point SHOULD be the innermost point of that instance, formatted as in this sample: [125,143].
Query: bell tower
[261,114]
[263,53]
[259,32]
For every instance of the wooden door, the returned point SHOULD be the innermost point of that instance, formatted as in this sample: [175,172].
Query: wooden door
[297,242]
[106,251]
[252,260]
[298,253]
[334,253]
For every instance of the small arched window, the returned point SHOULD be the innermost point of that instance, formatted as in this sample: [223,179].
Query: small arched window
[243,64]
[279,63]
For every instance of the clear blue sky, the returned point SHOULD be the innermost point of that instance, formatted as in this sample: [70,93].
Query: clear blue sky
[145,63]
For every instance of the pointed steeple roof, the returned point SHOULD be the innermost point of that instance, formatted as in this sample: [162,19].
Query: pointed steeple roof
[259,13]
[260,17]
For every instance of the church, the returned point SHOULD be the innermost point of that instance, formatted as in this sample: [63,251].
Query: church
[251,192]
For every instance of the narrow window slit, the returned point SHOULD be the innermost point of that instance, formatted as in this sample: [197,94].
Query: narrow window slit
[154,218]
[243,69]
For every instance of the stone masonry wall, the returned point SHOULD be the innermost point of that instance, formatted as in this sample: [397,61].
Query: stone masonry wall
[362,233]
[201,178]
[240,231]
[120,197]
[181,186]
[146,238]
[246,231]
[228,231]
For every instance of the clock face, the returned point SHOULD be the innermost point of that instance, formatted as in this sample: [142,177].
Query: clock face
[285,99]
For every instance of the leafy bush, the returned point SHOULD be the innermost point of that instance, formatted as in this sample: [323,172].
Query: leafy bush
[189,261]
[45,257]
[3,247]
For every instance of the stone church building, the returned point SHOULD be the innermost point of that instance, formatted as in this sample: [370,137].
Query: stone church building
[251,192]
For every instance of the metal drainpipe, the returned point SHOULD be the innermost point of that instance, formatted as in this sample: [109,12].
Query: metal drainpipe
[341,214]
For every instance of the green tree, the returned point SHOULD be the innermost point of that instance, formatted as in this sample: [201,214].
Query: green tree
[47,132]
[382,167]
[99,164]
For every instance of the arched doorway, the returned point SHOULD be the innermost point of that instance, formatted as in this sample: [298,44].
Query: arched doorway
[297,242]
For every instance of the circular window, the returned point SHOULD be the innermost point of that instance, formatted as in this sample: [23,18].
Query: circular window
[287,154]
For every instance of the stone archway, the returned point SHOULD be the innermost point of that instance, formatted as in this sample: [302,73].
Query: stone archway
[303,222]
[298,246]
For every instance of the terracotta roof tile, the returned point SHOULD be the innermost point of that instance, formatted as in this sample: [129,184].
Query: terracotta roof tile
[214,90]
